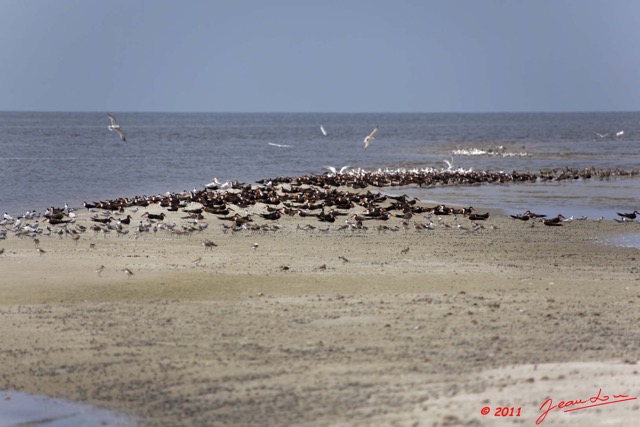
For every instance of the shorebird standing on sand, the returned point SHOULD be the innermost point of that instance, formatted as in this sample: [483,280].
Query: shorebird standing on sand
[99,270]
[631,215]
[116,127]
[370,137]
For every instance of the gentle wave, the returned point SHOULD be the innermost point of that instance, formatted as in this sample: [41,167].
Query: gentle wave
[499,151]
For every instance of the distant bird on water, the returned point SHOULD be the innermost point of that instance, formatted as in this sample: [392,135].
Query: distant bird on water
[116,127]
[324,132]
[370,137]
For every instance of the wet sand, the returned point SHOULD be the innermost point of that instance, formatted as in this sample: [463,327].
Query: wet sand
[426,337]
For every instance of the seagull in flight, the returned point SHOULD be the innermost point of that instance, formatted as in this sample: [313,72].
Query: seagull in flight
[334,171]
[370,137]
[324,132]
[115,126]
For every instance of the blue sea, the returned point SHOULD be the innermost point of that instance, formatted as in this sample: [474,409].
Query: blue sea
[49,159]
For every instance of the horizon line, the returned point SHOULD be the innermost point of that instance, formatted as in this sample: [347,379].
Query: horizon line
[322,112]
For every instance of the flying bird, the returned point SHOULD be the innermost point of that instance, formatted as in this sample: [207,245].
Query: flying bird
[334,171]
[116,127]
[370,137]
[324,132]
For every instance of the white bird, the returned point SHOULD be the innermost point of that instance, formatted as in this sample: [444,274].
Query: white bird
[324,132]
[334,171]
[449,165]
[8,217]
[116,127]
[370,137]
[620,133]
[273,144]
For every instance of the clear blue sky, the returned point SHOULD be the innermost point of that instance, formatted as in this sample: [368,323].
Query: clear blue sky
[320,56]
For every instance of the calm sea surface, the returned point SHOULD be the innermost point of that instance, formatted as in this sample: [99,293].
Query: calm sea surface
[48,159]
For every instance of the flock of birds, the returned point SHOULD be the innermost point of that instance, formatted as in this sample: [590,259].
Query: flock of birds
[316,197]
[186,213]
[229,203]
[427,177]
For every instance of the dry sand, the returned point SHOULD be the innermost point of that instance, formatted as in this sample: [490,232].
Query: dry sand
[462,321]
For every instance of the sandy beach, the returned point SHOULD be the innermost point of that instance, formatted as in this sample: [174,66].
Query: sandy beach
[343,328]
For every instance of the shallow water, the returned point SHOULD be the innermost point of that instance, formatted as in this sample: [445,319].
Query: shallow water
[48,159]
[27,410]
[631,240]
[591,198]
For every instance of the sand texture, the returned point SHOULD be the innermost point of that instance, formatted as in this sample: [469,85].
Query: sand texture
[315,328]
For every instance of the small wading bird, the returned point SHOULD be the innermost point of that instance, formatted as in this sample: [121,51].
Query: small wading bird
[116,127]
[370,137]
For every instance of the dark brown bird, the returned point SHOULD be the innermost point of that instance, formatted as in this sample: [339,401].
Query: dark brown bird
[271,215]
[631,215]
[154,216]
[101,220]
[478,217]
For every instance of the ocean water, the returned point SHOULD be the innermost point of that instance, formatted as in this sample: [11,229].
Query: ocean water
[49,159]
[22,409]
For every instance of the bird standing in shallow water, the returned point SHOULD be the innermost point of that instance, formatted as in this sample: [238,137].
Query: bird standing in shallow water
[114,126]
